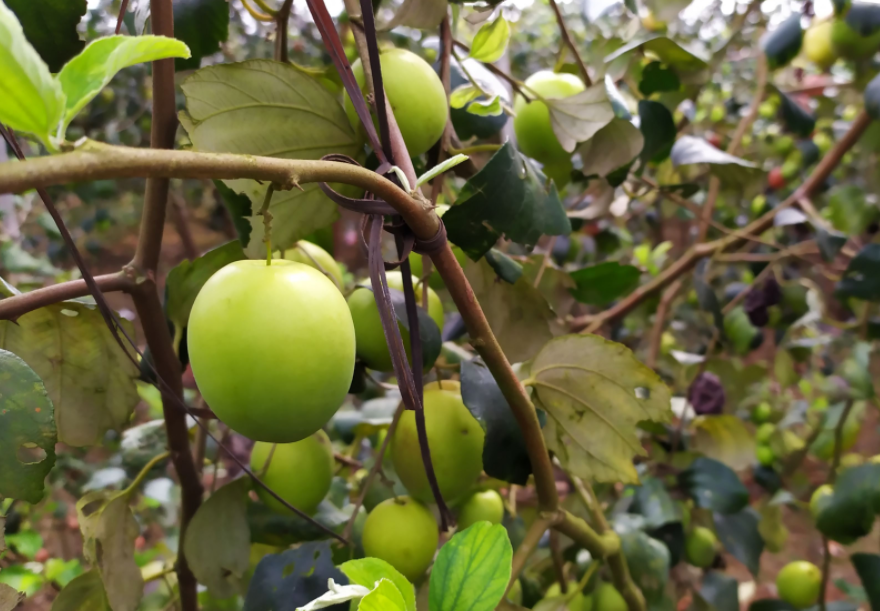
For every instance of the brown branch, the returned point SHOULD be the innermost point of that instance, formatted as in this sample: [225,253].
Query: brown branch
[281,18]
[529,544]
[566,37]
[122,10]
[660,322]
[181,222]
[558,562]
[18,305]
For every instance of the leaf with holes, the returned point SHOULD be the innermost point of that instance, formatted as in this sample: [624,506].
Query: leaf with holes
[472,570]
[579,117]
[261,107]
[518,314]
[202,25]
[490,41]
[611,148]
[84,593]
[732,171]
[109,531]
[220,562]
[595,392]
[51,27]
[369,571]
[862,276]
[27,431]
[603,283]
[89,379]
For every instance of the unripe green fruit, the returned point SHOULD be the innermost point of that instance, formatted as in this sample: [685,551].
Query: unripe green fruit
[272,348]
[481,506]
[798,583]
[718,113]
[849,43]
[783,145]
[765,455]
[818,46]
[577,602]
[313,255]
[403,533]
[310,459]
[372,348]
[534,131]
[607,598]
[764,433]
[759,204]
[767,110]
[823,142]
[699,547]
[762,412]
[790,169]
[455,439]
[416,96]
[821,496]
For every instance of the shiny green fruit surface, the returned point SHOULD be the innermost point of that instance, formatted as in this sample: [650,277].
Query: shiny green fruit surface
[403,533]
[272,348]
[607,598]
[534,131]
[481,506]
[416,96]
[798,583]
[818,46]
[821,496]
[850,43]
[699,547]
[313,255]
[299,472]
[455,439]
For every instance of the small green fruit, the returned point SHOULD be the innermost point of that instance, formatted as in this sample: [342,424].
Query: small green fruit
[534,132]
[481,506]
[821,496]
[311,459]
[798,583]
[818,46]
[607,598]
[699,547]
[764,433]
[765,455]
[762,412]
[403,533]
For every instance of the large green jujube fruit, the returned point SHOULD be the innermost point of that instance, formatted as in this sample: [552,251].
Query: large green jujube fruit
[371,345]
[403,533]
[300,472]
[479,507]
[799,583]
[272,348]
[313,255]
[455,439]
[699,547]
[415,93]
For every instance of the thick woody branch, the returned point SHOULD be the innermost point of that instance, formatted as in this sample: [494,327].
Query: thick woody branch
[19,305]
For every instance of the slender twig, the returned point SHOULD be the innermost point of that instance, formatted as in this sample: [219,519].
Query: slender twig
[257,14]
[566,37]
[545,261]
[123,8]
[529,544]
[660,322]
[139,479]
[13,307]
[558,562]
[515,84]
[281,19]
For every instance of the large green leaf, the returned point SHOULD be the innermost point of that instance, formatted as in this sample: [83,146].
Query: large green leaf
[220,562]
[285,581]
[602,283]
[89,379]
[282,530]
[30,99]
[578,118]
[849,210]
[202,25]
[27,427]
[732,171]
[50,26]
[472,570]
[850,512]
[368,571]
[739,534]
[658,129]
[724,438]
[385,596]
[652,501]
[714,485]
[490,41]
[720,591]
[89,72]
[595,392]
[262,107]
[85,592]
[507,198]
[611,148]
[862,276]
[868,568]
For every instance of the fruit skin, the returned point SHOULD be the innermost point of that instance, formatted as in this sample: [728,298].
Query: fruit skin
[579,602]
[699,547]
[534,132]
[798,583]
[305,251]
[607,598]
[849,43]
[403,533]
[454,437]
[818,46]
[481,506]
[310,459]
[762,412]
[764,433]
[415,93]
[272,348]
[371,346]
[775,179]
[820,499]
[765,455]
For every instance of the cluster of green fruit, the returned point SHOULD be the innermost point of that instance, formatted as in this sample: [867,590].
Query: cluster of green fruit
[850,34]
[603,597]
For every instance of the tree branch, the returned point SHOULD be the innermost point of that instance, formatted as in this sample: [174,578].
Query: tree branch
[18,305]
[566,37]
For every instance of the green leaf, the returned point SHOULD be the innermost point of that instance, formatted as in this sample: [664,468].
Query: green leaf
[658,78]
[51,27]
[721,591]
[739,534]
[739,330]
[577,118]
[86,592]
[486,108]
[88,73]
[868,568]
[27,428]
[239,208]
[666,50]
[862,276]
[504,450]
[648,559]
[30,99]
[795,117]
[652,501]
[276,529]
[595,392]
[658,129]
[784,43]
[25,543]
[732,171]
[10,598]
[518,314]
[186,280]
[507,198]
[262,107]
[109,531]
[61,572]
[440,168]
[472,570]
[830,243]
[850,211]
[849,513]
[612,147]
[202,25]
[220,561]
[368,571]
[772,527]
[384,597]
[419,14]
[463,95]
[603,283]
[506,268]
[491,41]
[89,379]
[872,97]
[22,579]
[714,485]
[724,438]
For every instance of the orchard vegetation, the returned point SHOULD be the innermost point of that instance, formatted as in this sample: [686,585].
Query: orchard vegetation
[439,305]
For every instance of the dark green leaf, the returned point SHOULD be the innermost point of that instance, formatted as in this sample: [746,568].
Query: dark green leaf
[648,559]
[739,534]
[603,283]
[713,485]
[658,128]
[239,207]
[652,500]
[506,268]
[830,243]
[667,50]
[508,198]
[202,25]
[872,97]
[285,581]
[868,568]
[690,150]
[849,209]
[862,276]
[784,43]
[797,120]
[721,591]
[671,535]
[281,530]
[504,451]
[771,604]
[27,434]
[657,77]
[429,332]
[50,26]
[472,570]
[849,513]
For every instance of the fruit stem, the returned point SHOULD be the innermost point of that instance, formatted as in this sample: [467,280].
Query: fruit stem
[267,222]
[138,480]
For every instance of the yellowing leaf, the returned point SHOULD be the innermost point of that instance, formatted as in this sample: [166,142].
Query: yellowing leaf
[595,392]
[491,41]
[724,438]
[84,593]
[9,597]
[577,118]
[419,14]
